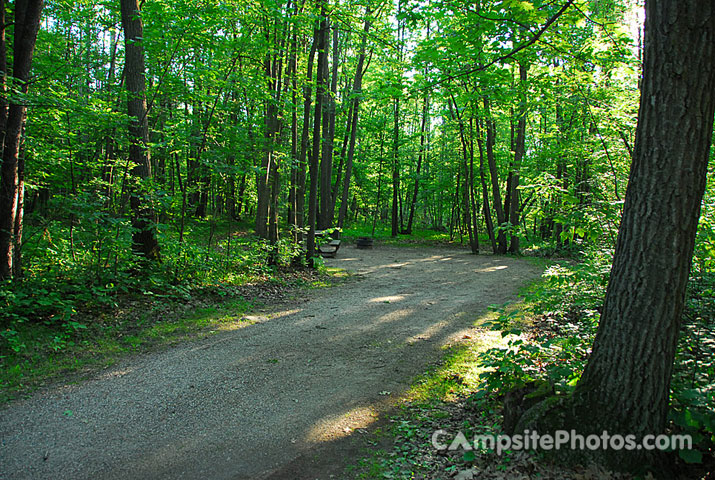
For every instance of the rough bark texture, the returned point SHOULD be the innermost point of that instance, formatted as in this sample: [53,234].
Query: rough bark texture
[626,384]
[144,237]
[12,119]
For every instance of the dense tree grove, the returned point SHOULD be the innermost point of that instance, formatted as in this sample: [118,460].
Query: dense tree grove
[509,120]
[157,145]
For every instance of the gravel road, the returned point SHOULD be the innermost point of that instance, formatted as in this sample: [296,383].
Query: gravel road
[249,402]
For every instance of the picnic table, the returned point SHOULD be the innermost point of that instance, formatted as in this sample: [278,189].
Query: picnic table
[326,248]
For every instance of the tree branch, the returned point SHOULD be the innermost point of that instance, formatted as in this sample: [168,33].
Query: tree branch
[501,58]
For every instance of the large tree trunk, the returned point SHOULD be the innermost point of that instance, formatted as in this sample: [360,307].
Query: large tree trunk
[12,120]
[626,384]
[144,237]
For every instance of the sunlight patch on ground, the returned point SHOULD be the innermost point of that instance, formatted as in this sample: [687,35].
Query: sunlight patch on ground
[388,299]
[333,427]
[285,313]
[396,315]
[116,373]
[491,269]
[426,334]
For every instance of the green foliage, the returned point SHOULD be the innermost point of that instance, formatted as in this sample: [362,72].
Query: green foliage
[88,267]
[549,342]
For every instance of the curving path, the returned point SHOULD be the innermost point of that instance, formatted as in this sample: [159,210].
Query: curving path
[252,402]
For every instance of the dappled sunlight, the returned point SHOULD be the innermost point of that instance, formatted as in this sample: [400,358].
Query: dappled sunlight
[336,426]
[285,313]
[388,299]
[394,315]
[490,269]
[116,373]
[426,334]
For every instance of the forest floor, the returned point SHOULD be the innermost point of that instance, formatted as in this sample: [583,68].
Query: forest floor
[290,395]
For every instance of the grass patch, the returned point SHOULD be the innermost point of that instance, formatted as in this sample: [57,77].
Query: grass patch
[418,238]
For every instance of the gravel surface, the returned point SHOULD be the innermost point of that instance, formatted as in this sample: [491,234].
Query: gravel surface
[248,402]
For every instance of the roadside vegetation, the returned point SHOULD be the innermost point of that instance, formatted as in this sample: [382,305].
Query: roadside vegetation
[536,348]
[82,305]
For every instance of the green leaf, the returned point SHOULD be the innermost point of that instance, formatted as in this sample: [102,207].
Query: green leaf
[691,456]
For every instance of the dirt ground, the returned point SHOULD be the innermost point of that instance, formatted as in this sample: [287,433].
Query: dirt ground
[285,397]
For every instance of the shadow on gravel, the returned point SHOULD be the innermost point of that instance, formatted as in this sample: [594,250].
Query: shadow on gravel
[286,398]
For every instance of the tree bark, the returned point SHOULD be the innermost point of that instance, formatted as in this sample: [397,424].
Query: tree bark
[321,34]
[494,173]
[304,139]
[326,164]
[519,150]
[422,154]
[12,121]
[357,92]
[144,237]
[626,384]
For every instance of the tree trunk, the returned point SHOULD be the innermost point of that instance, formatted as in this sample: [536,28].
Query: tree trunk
[626,384]
[326,164]
[491,139]
[305,137]
[144,237]
[422,154]
[519,149]
[357,92]
[321,34]
[485,189]
[12,120]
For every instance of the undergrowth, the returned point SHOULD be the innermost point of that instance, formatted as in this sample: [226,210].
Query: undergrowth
[546,342]
[84,299]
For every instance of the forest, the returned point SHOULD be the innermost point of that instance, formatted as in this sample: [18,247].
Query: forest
[170,151]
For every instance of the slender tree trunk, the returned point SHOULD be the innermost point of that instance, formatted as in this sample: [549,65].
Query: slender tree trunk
[326,164]
[357,92]
[396,168]
[271,66]
[321,34]
[293,66]
[379,181]
[494,173]
[485,189]
[396,138]
[12,120]
[304,145]
[519,149]
[469,220]
[422,154]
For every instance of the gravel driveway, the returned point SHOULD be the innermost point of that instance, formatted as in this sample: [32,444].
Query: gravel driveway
[249,402]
